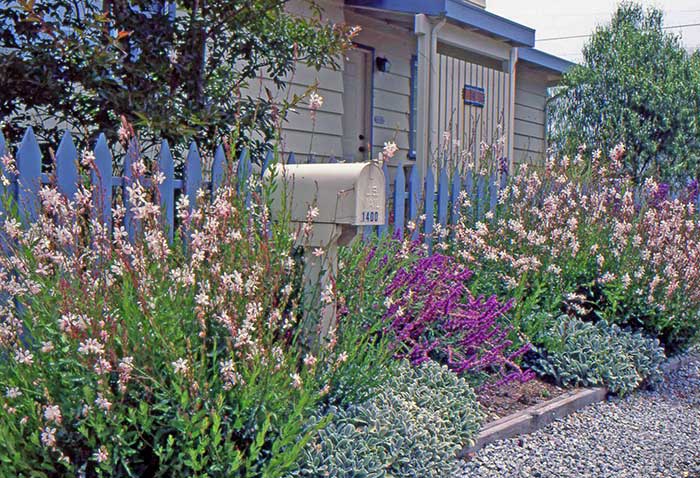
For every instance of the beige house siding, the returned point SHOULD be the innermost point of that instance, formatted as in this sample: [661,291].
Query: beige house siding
[530,117]
[300,134]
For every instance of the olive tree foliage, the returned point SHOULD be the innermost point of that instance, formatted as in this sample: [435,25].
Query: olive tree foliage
[637,86]
[173,68]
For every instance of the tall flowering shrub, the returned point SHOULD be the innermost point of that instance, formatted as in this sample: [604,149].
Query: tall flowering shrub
[580,237]
[124,354]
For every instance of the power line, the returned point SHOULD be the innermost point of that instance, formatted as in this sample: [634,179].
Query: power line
[588,35]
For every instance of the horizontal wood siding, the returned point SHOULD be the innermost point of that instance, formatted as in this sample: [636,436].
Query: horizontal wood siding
[300,134]
[530,118]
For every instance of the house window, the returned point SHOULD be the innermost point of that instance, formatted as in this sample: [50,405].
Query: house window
[413,109]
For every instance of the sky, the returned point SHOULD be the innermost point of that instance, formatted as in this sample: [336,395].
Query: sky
[563,18]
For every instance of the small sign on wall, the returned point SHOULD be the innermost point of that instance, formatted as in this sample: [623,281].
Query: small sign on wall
[474,96]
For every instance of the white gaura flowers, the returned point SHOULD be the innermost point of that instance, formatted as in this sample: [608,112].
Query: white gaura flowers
[52,413]
[180,366]
[315,101]
[390,149]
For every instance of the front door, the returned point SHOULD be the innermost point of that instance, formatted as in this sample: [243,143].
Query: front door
[357,105]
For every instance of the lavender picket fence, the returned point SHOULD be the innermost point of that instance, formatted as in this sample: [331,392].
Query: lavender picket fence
[437,199]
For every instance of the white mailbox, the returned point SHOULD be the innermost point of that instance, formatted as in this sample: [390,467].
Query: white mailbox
[352,194]
[345,196]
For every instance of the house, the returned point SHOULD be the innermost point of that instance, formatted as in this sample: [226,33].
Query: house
[421,68]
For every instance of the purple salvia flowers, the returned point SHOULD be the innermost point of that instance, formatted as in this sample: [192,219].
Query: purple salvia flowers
[434,315]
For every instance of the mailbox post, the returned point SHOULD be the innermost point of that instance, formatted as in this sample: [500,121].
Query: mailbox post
[343,197]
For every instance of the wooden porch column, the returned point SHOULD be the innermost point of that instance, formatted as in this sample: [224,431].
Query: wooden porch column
[422,28]
[511,121]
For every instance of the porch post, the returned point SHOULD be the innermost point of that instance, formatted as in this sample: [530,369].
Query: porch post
[422,28]
[511,121]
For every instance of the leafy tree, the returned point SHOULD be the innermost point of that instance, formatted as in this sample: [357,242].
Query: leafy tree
[637,85]
[175,68]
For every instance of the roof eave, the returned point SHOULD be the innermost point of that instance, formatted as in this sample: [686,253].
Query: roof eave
[544,60]
[458,12]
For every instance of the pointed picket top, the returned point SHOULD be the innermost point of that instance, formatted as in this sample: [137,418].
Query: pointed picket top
[29,177]
[429,207]
[454,198]
[414,189]
[243,171]
[443,197]
[166,189]
[269,158]
[399,202]
[67,166]
[243,168]
[217,170]
[102,181]
[383,228]
[291,159]
[193,174]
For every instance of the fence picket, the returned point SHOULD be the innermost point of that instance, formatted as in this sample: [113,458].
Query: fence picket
[469,189]
[131,157]
[217,170]
[493,192]
[413,191]
[29,177]
[383,228]
[399,202]
[480,196]
[102,181]
[243,170]
[193,174]
[269,158]
[3,174]
[166,189]
[443,197]
[454,200]
[67,166]
[429,208]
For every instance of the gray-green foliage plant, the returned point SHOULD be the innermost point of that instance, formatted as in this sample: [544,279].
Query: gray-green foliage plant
[637,85]
[413,425]
[583,353]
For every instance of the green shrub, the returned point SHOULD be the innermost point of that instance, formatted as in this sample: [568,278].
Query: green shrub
[582,353]
[413,425]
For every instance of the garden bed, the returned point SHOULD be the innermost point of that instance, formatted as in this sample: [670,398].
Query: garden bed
[516,396]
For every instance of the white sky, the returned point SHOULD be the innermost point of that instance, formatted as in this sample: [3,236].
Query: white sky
[557,18]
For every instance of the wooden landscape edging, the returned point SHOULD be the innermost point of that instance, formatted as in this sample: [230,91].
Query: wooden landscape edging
[539,416]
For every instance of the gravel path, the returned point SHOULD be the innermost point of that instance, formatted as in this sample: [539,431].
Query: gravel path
[646,435]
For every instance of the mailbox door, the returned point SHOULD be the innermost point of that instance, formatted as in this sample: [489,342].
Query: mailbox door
[370,200]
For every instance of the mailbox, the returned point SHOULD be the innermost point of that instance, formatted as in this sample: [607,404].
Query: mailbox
[346,196]
[352,194]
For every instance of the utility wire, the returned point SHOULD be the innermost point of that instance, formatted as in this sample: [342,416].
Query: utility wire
[588,35]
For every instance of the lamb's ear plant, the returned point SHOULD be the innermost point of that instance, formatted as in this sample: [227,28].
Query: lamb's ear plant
[585,354]
[125,354]
[412,425]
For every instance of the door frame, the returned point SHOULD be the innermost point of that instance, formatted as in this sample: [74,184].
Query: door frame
[369,101]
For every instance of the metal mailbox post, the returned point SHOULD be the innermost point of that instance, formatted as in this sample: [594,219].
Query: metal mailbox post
[343,197]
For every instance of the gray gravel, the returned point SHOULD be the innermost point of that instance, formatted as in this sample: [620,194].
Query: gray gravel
[645,435]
